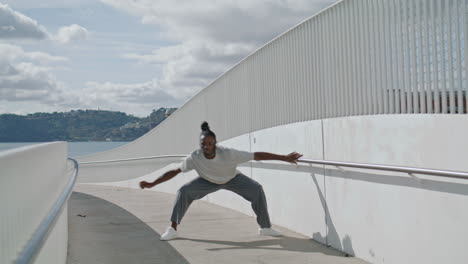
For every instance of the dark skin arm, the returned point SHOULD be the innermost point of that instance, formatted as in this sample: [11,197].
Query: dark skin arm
[165,177]
[291,157]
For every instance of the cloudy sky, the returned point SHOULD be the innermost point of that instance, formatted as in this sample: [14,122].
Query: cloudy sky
[129,55]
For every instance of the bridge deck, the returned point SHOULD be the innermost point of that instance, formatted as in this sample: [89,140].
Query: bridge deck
[120,225]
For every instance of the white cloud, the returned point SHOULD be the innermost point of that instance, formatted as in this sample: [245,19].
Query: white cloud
[44,57]
[137,98]
[14,25]
[211,36]
[24,77]
[200,50]
[28,82]
[139,92]
[71,33]
[188,67]
[223,21]
[13,53]
[47,3]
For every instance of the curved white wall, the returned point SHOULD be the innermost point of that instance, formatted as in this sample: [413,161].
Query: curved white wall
[382,217]
[393,217]
[31,180]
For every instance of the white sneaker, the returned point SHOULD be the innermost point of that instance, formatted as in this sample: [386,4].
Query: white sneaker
[171,233]
[269,232]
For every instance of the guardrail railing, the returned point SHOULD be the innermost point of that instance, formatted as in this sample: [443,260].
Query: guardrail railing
[409,170]
[133,159]
[34,245]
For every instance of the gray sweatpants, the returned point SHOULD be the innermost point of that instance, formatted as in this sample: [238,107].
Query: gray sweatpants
[246,187]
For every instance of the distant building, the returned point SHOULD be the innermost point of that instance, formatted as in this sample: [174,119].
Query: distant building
[131,125]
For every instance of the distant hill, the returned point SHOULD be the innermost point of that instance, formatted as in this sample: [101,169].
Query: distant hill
[79,125]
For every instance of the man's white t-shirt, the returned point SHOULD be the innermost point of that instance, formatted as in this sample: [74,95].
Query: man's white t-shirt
[221,169]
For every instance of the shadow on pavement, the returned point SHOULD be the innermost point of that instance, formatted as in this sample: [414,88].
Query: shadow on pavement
[102,232]
[283,243]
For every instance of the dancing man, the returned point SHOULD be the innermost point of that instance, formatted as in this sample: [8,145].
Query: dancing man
[216,167]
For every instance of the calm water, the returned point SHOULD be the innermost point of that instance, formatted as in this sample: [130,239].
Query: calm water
[75,149]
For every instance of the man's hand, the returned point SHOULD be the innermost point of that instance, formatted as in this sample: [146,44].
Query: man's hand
[144,184]
[292,157]
[165,177]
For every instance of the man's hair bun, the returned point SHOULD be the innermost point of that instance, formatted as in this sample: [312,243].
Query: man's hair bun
[206,131]
[205,126]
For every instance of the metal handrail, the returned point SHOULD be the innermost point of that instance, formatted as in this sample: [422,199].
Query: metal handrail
[409,170]
[133,159]
[34,245]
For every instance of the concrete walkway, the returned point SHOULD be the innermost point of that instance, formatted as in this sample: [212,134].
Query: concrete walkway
[120,225]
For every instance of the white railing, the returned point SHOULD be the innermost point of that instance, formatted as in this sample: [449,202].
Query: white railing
[405,169]
[32,179]
[33,247]
[133,159]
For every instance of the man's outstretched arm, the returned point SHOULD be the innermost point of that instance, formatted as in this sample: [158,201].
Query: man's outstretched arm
[165,177]
[291,157]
